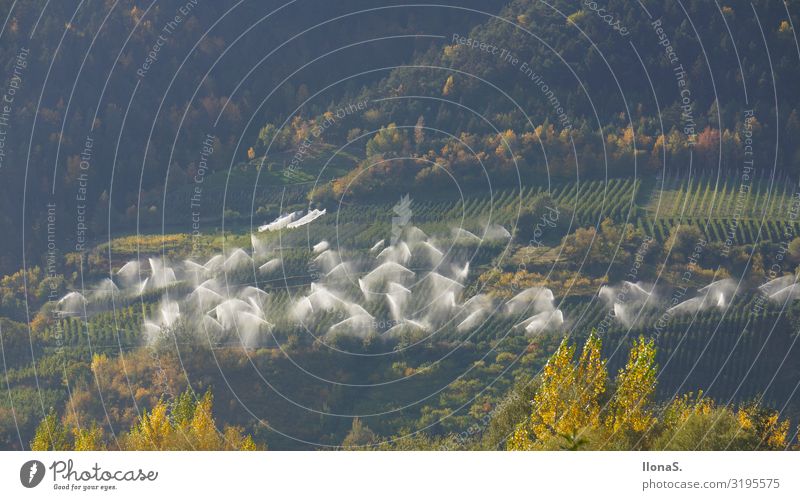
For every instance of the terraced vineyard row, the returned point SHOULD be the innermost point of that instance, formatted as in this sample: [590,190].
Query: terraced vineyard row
[591,201]
[740,232]
[729,196]
[102,331]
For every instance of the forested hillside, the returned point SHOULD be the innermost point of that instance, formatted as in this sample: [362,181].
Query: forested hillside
[99,70]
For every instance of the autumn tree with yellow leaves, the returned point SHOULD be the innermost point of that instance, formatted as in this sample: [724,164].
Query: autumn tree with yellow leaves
[567,401]
[630,408]
[189,426]
[185,423]
[571,410]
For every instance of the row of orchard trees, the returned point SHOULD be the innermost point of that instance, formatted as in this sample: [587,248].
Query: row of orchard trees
[739,231]
[698,195]
[577,406]
[185,423]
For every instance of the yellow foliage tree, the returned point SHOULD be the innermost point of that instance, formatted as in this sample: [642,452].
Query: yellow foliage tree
[683,407]
[449,85]
[181,424]
[766,424]
[50,435]
[388,140]
[203,432]
[189,426]
[566,411]
[590,386]
[88,439]
[630,406]
[152,432]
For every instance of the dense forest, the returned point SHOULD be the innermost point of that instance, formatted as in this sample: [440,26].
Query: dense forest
[516,225]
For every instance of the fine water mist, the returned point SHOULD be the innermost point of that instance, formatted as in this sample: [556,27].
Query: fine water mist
[627,300]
